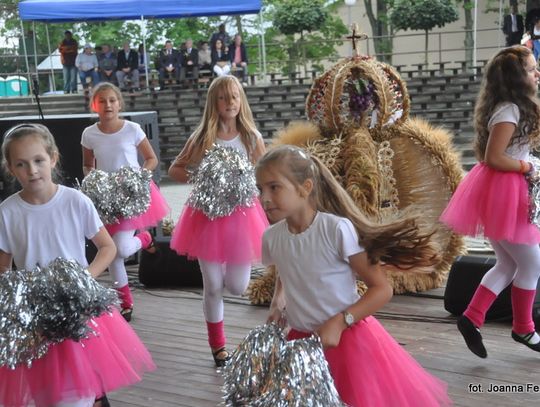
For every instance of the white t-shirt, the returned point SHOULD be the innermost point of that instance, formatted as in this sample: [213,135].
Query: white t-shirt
[236,143]
[37,234]
[318,281]
[509,113]
[114,150]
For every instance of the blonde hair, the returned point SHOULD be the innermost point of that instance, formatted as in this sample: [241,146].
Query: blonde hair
[505,80]
[102,87]
[205,135]
[399,243]
[39,132]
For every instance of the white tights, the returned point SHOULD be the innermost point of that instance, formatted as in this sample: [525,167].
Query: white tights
[216,277]
[515,262]
[126,244]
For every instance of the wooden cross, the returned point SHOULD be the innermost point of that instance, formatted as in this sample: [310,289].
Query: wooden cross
[354,37]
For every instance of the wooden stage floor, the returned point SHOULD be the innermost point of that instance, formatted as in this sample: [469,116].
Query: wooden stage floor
[170,322]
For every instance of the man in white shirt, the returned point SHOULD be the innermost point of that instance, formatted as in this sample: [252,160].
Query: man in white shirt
[513,26]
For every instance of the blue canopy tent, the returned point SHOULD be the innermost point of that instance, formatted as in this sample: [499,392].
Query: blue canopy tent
[56,11]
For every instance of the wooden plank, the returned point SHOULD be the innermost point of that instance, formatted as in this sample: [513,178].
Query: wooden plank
[171,324]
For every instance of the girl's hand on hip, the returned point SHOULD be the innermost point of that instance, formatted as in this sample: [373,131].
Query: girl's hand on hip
[330,332]
[278,316]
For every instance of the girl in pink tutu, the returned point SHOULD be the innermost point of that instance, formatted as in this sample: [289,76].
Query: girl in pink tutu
[108,145]
[225,246]
[41,222]
[320,244]
[493,198]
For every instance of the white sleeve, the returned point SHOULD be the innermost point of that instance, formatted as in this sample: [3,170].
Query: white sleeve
[85,139]
[504,113]
[89,216]
[4,239]
[138,134]
[347,240]
[266,257]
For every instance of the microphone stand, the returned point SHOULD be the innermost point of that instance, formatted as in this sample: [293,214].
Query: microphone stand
[35,91]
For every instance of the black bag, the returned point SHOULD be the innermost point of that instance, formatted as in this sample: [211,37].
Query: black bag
[463,279]
[165,268]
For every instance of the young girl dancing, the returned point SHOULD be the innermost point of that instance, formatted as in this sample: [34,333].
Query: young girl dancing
[318,254]
[226,246]
[41,222]
[108,145]
[493,198]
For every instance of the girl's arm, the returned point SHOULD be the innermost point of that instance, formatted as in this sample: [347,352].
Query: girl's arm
[147,152]
[498,141]
[5,261]
[105,254]
[178,169]
[89,161]
[378,294]
[277,306]
[259,150]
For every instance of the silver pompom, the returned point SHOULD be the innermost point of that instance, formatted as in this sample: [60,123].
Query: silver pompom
[224,180]
[268,371]
[20,341]
[46,305]
[66,298]
[248,371]
[121,194]
[533,180]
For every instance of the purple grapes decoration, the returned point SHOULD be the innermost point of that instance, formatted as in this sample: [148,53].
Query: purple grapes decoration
[361,94]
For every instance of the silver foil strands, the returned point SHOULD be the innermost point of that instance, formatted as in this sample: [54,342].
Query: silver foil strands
[121,194]
[224,180]
[534,191]
[266,370]
[46,305]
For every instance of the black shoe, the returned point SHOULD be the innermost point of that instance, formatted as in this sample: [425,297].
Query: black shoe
[525,340]
[127,313]
[472,336]
[104,401]
[221,356]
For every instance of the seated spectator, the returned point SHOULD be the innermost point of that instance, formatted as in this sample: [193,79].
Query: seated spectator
[169,64]
[87,64]
[239,59]
[221,64]
[189,60]
[205,56]
[107,64]
[127,67]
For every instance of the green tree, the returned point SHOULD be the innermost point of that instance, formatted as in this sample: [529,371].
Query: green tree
[423,15]
[378,12]
[304,31]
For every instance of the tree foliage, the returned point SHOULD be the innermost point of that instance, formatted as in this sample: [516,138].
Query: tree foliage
[423,14]
[297,16]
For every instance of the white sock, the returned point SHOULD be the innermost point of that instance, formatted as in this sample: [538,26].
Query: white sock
[533,340]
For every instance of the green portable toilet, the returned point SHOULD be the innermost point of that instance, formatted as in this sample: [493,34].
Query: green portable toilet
[16,86]
[2,86]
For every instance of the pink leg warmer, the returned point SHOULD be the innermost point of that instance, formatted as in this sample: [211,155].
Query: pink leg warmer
[479,305]
[125,296]
[216,334]
[522,303]
[145,238]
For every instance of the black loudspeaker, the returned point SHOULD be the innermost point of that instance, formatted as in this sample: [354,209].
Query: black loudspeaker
[166,268]
[67,131]
[463,279]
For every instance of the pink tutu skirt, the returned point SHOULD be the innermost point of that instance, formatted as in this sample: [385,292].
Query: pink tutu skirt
[235,239]
[70,370]
[157,210]
[492,203]
[370,369]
